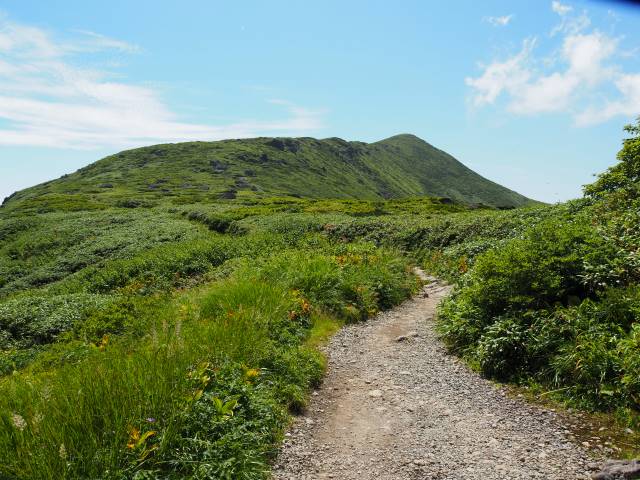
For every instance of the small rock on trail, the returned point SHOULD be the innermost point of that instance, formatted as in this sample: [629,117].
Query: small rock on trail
[395,406]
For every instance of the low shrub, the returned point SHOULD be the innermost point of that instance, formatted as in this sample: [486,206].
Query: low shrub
[37,320]
[559,304]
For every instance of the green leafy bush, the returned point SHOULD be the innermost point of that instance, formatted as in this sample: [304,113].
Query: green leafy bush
[37,320]
[626,174]
[559,304]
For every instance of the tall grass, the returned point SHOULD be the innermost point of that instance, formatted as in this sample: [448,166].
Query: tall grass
[204,393]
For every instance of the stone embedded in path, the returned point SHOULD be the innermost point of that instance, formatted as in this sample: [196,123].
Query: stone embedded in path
[617,469]
[375,393]
[409,335]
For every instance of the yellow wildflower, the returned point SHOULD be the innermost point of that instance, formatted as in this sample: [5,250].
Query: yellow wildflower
[306,306]
[137,439]
[251,374]
[103,343]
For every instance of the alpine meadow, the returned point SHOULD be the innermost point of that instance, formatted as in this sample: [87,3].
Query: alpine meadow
[217,264]
[161,329]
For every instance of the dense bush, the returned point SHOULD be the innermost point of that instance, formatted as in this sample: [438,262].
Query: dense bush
[559,305]
[625,175]
[36,320]
[39,250]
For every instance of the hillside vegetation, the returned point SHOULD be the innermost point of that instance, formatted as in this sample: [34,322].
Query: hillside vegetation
[174,341]
[557,306]
[168,333]
[398,167]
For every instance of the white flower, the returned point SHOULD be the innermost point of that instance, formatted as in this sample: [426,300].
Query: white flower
[19,422]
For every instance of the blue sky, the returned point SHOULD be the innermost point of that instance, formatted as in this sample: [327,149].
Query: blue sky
[531,94]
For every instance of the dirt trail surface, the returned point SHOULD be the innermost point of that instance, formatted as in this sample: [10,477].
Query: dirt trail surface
[395,405]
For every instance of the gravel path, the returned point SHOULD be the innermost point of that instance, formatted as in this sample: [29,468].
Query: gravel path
[395,405]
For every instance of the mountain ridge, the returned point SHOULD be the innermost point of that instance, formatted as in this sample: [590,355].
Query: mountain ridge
[400,166]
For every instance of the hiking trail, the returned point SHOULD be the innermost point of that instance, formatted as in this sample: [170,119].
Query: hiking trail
[395,405]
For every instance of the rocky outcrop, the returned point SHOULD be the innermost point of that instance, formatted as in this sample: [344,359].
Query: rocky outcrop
[618,469]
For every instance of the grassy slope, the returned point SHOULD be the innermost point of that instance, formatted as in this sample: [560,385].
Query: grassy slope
[398,167]
[54,248]
[263,260]
[200,313]
[194,322]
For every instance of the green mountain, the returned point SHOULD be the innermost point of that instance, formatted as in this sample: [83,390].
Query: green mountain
[398,167]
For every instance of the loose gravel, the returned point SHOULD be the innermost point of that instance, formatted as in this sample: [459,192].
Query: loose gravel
[395,405]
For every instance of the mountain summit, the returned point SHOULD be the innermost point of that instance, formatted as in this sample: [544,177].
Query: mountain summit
[400,166]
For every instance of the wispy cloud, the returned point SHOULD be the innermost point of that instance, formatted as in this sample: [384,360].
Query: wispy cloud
[581,77]
[560,9]
[628,104]
[569,24]
[48,99]
[498,77]
[96,41]
[502,21]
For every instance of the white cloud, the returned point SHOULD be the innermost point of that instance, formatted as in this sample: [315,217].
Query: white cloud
[580,70]
[547,94]
[572,25]
[586,55]
[46,99]
[499,77]
[557,91]
[502,21]
[96,41]
[560,9]
[629,105]
[569,24]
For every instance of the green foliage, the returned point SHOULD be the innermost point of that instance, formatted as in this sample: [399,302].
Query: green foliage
[150,329]
[249,169]
[537,271]
[446,245]
[559,303]
[107,314]
[626,174]
[191,384]
[36,320]
[42,249]
[158,248]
